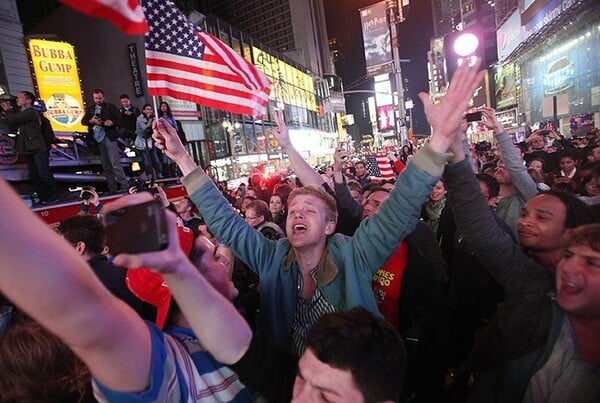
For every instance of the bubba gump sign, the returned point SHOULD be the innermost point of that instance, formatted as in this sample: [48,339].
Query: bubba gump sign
[57,77]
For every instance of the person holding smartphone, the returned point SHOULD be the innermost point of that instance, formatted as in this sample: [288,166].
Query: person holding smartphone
[129,359]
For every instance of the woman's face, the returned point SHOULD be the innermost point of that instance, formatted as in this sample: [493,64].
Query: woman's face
[438,192]
[163,107]
[275,205]
[148,111]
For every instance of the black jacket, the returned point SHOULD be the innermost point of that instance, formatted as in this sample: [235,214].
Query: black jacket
[109,112]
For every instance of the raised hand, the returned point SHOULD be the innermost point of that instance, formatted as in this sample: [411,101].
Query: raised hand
[166,139]
[490,120]
[164,261]
[445,116]
[282,133]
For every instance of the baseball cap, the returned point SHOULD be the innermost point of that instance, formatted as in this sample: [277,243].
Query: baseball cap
[150,287]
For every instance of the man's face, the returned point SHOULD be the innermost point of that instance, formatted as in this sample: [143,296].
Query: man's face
[214,266]
[360,169]
[98,98]
[542,223]
[253,218]
[567,164]
[502,175]
[373,203]
[182,206]
[125,102]
[320,382]
[251,192]
[22,99]
[307,224]
[578,282]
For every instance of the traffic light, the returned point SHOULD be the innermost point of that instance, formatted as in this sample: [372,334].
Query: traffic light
[462,47]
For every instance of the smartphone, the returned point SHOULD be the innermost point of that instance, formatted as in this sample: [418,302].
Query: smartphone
[344,145]
[474,117]
[544,132]
[137,229]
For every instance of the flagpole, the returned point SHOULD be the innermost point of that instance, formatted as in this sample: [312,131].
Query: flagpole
[154,105]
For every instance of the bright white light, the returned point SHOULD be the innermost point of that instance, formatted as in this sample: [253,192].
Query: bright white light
[466,44]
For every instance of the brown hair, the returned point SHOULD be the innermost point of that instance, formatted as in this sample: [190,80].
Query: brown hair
[331,213]
[37,366]
[583,235]
[261,208]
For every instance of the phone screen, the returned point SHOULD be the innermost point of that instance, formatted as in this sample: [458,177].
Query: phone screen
[474,117]
[137,229]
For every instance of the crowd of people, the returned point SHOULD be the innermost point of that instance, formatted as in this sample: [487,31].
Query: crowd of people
[23,118]
[463,279]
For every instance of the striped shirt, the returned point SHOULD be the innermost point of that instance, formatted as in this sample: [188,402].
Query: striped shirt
[307,314]
[181,370]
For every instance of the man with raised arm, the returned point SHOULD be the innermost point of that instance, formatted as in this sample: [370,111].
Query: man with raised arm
[313,271]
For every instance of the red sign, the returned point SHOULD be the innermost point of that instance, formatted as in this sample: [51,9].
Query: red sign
[385,118]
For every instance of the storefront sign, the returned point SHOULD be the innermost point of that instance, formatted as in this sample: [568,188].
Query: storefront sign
[136,75]
[546,15]
[182,110]
[57,78]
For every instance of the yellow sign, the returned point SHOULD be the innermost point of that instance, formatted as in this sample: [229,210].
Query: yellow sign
[290,85]
[57,78]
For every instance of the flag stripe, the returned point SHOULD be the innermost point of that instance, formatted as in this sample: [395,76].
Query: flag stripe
[241,106]
[252,77]
[205,73]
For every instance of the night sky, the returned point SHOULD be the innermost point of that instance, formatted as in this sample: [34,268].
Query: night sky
[343,23]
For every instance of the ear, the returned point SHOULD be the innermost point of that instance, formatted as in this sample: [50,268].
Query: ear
[330,228]
[80,247]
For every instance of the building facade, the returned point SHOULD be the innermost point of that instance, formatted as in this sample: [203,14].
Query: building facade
[296,28]
[229,145]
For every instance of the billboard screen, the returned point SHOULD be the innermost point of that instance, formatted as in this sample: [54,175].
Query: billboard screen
[376,38]
[57,78]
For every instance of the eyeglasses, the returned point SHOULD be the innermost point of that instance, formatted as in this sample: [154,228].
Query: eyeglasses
[248,218]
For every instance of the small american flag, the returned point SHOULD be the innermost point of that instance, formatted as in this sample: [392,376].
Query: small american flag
[379,167]
[185,62]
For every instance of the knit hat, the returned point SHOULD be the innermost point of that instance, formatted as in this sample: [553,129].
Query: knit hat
[149,286]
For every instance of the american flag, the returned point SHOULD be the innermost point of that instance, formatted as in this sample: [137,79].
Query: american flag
[126,15]
[185,62]
[379,167]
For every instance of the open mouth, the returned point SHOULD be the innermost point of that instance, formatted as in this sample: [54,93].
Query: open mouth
[299,228]
[570,288]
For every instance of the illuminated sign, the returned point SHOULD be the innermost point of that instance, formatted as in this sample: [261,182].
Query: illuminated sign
[290,85]
[57,78]
[385,118]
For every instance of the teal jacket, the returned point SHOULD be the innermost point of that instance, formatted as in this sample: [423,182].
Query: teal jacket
[345,269]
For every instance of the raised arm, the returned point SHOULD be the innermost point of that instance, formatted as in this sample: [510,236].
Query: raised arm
[380,235]
[43,275]
[214,319]
[514,164]
[308,176]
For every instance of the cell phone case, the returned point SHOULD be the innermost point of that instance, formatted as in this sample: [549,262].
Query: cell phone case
[137,229]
